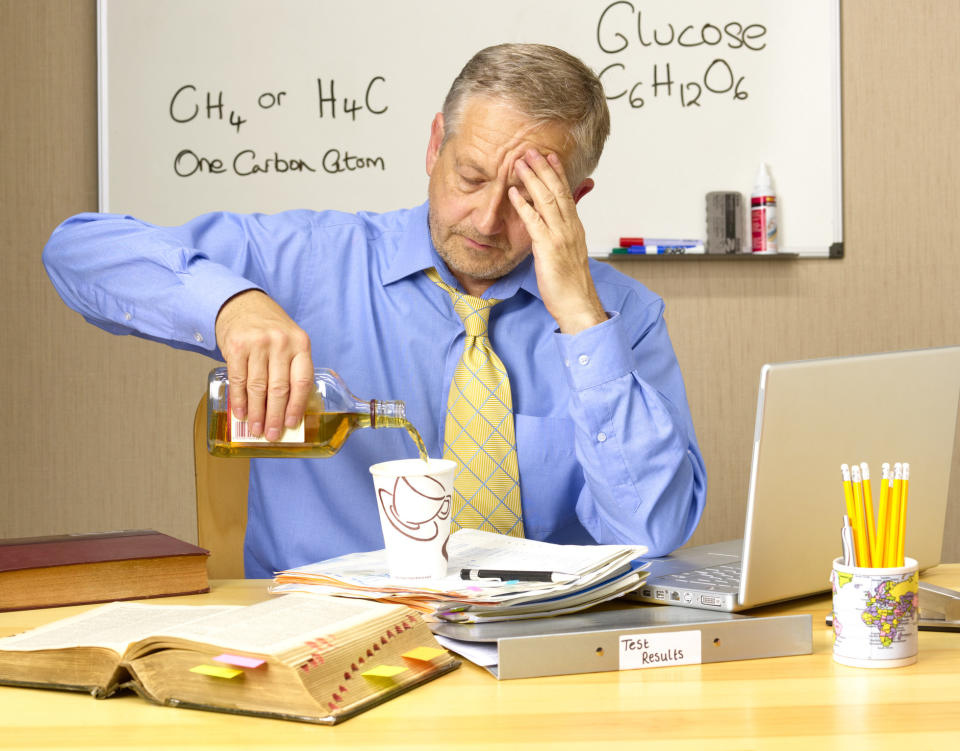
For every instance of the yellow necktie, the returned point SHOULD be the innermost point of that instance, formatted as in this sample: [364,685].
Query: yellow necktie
[478,433]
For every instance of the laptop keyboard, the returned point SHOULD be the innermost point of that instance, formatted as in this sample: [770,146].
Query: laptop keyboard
[722,577]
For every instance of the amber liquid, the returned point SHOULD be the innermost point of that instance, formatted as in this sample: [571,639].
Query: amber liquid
[324,434]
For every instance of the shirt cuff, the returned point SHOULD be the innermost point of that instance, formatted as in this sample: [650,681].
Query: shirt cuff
[206,287]
[595,355]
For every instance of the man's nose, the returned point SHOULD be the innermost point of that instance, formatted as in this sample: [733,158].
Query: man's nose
[488,216]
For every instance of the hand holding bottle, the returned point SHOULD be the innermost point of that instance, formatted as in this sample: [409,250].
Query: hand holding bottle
[268,362]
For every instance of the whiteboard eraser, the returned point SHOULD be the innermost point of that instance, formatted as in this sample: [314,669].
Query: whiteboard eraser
[724,222]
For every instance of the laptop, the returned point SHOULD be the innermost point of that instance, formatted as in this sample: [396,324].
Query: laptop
[813,416]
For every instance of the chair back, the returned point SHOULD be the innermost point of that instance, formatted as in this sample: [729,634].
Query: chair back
[222,486]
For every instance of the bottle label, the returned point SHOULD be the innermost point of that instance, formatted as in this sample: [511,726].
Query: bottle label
[240,433]
[763,224]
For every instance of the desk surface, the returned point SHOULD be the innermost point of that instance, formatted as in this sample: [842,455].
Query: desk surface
[802,702]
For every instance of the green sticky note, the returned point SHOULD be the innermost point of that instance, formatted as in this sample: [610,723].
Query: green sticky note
[216,671]
[383,671]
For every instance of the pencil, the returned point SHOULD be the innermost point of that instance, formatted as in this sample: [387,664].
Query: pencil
[883,512]
[893,525]
[891,504]
[859,533]
[868,511]
[902,532]
[847,489]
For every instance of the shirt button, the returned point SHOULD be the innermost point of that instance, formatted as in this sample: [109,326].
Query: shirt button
[127,316]
[601,436]
[583,359]
[198,336]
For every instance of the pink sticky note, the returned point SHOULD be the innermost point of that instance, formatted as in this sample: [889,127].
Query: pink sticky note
[240,661]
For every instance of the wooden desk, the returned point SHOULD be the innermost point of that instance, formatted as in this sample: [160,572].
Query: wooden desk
[805,702]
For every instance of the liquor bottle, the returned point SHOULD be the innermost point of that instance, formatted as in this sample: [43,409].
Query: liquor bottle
[332,414]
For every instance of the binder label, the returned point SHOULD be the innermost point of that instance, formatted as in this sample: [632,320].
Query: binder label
[659,650]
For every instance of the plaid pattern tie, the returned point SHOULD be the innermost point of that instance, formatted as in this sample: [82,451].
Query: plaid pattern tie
[478,433]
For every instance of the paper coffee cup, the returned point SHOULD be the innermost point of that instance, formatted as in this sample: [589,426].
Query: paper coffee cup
[875,615]
[413,499]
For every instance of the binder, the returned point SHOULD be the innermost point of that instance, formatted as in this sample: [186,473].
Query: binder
[621,639]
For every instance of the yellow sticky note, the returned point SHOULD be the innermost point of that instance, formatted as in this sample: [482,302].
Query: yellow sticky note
[383,671]
[217,671]
[424,654]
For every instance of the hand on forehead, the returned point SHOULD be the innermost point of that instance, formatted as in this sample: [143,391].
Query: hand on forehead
[494,135]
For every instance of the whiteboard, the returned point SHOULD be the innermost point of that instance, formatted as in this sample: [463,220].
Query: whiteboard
[268,105]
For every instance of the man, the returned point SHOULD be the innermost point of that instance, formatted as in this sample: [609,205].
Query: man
[605,447]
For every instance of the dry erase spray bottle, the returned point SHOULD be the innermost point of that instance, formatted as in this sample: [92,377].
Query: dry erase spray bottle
[763,213]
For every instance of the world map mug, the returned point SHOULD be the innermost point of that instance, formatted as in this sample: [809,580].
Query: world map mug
[875,615]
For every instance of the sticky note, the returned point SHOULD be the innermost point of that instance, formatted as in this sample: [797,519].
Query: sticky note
[240,661]
[217,671]
[424,654]
[383,671]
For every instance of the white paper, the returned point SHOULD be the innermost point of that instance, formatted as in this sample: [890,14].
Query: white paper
[484,654]
[597,572]
[471,548]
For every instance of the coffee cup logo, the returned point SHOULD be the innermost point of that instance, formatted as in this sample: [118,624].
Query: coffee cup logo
[414,506]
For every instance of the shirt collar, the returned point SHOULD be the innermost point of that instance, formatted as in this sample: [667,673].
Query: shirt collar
[415,252]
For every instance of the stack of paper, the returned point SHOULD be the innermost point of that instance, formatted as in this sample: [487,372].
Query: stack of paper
[582,576]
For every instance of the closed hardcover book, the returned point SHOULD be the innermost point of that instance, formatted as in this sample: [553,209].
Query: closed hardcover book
[43,572]
[297,657]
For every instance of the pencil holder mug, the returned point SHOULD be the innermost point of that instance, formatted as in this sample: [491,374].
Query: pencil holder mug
[875,615]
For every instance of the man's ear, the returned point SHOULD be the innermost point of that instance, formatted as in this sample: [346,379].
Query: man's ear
[582,189]
[436,140]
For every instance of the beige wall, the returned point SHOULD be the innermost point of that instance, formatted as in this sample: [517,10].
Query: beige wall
[95,430]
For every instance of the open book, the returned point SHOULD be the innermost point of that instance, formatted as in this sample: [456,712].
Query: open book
[298,657]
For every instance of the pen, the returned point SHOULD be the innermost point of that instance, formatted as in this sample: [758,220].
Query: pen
[677,248]
[846,542]
[471,574]
[626,242]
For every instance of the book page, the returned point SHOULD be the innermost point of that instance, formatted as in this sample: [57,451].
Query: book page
[280,623]
[113,626]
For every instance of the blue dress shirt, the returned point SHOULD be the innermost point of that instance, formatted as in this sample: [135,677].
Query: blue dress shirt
[605,442]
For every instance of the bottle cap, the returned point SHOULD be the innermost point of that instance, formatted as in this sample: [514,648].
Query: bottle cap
[763,184]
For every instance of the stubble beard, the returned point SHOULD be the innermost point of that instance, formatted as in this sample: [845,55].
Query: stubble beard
[463,261]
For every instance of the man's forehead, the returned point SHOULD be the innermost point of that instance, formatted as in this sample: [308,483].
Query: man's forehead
[493,130]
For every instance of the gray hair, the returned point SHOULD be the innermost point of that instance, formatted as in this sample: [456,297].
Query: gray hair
[545,84]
